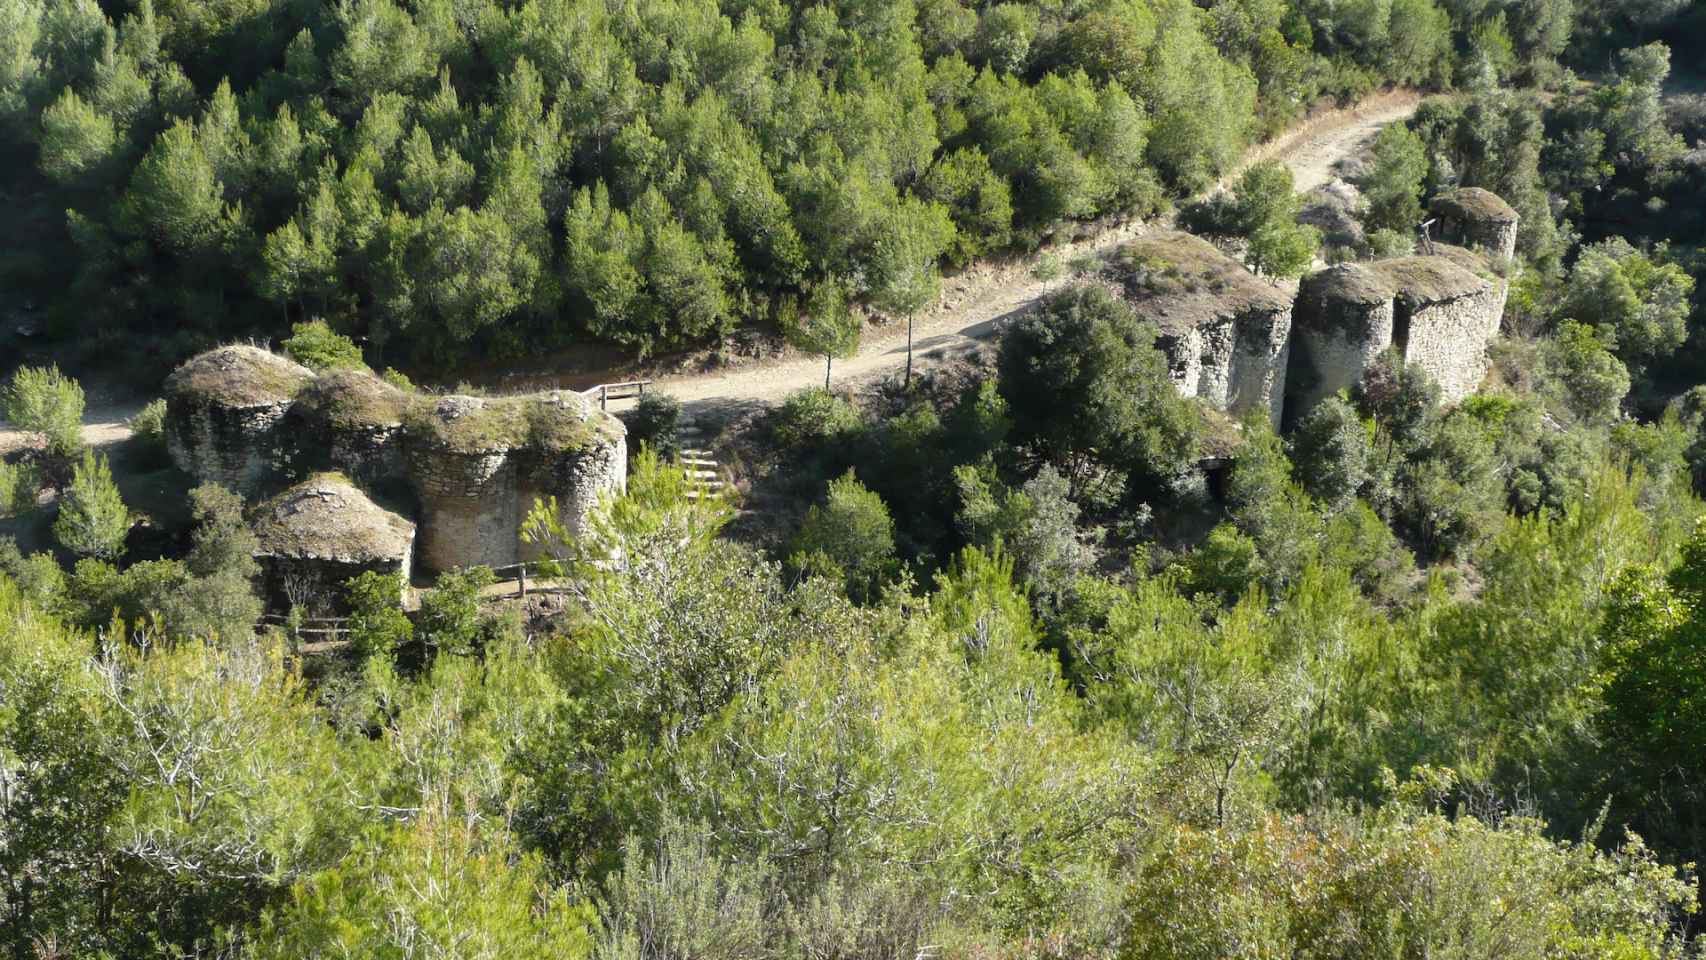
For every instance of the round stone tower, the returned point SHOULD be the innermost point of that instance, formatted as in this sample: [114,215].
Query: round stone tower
[577,454]
[223,412]
[351,421]
[478,464]
[1476,218]
[314,536]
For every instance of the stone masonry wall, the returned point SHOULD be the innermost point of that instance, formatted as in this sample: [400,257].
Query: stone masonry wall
[285,580]
[1334,342]
[1449,339]
[1496,238]
[236,447]
[1234,363]
[577,481]
[1260,352]
[469,508]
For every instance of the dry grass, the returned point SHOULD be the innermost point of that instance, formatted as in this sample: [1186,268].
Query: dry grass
[1472,204]
[1181,281]
[1418,279]
[328,517]
[560,421]
[239,376]
[353,398]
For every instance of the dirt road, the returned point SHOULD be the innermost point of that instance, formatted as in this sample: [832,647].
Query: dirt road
[105,422]
[975,303]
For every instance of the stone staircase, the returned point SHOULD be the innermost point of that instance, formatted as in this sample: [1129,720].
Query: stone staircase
[704,475]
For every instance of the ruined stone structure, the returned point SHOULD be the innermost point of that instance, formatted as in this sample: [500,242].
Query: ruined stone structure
[1438,312]
[1476,219]
[348,420]
[1225,332]
[223,413]
[470,468]
[319,533]
[479,464]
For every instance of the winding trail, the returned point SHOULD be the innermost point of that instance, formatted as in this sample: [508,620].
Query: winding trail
[973,306]
[976,303]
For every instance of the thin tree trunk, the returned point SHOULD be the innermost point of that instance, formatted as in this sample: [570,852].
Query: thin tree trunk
[908,381]
[827,360]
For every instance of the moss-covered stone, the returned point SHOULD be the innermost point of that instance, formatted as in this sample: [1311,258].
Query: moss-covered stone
[352,399]
[327,517]
[238,376]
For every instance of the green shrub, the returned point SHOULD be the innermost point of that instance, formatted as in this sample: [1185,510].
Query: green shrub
[19,485]
[43,401]
[377,622]
[655,422]
[149,423]
[315,345]
[813,418]
[850,534]
[92,519]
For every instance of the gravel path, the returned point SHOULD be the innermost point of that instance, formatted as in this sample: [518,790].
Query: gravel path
[975,303]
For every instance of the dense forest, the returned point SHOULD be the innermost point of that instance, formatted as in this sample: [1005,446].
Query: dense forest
[1028,657]
[448,180]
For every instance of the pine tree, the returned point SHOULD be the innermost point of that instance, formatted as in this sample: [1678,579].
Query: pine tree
[93,519]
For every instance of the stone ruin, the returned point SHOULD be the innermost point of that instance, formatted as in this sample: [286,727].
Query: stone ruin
[1225,332]
[467,468]
[479,464]
[1474,218]
[319,533]
[1439,312]
[223,413]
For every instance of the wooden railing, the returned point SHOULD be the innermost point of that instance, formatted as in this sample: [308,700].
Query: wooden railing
[606,392]
[330,627]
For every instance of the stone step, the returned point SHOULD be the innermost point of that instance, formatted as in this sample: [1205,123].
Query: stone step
[703,475]
[698,462]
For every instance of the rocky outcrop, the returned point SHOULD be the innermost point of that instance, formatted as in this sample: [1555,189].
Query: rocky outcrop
[317,534]
[1225,332]
[1436,311]
[1476,219]
[223,413]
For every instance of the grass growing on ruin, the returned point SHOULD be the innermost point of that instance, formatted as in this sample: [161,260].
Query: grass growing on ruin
[239,376]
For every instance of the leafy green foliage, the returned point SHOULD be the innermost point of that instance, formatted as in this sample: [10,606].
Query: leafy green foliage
[1264,210]
[493,181]
[1392,189]
[20,485]
[377,624]
[849,537]
[45,402]
[823,325]
[1086,388]
[93,520]
[1637,304]
[315,345]
[654,422]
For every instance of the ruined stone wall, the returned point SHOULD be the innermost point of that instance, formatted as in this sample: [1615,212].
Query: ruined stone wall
[1334,340]
[370,453]
[1449,339]
[469,507]
[1261,348]
[1496,238]
[239,448]
[577,480]
[1235,363]
[287,582]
